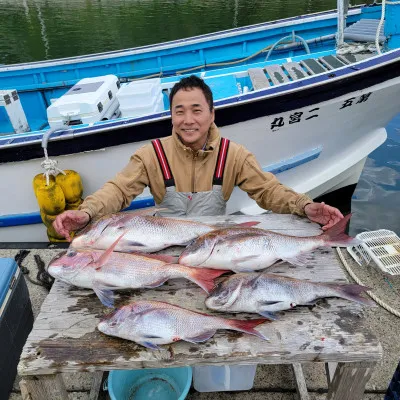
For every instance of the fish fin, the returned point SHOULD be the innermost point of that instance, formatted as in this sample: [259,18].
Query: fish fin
[245,258]
[157,283]
[248,224]
[201,338]
[269,315]
[133,243]
[152,336]
[105,294]
[300,260]
[161,257]
[106,255]
[336,236]
[352,292]
[247,326]
[204,277]
[149,345]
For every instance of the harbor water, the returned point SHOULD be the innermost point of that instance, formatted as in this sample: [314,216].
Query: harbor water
[34,30]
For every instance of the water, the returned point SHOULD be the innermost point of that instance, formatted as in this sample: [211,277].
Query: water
[376,199]
[32,30]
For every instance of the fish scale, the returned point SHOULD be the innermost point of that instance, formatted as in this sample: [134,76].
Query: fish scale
[255,249]
[152,323]
[107,271]
[142,233]
[263,293]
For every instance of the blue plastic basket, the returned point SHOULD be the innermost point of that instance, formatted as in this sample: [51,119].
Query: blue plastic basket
[150,384]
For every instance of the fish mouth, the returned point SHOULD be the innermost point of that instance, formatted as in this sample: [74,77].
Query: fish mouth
[55,258]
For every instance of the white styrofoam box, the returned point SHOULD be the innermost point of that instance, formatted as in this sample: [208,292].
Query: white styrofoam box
[88,101]
[11,102]
[218,378]
[156,106]
[141,97]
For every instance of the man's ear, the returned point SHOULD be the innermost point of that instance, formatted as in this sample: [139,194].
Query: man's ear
[213,114]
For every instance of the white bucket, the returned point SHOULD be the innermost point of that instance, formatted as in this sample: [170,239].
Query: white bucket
[224,378]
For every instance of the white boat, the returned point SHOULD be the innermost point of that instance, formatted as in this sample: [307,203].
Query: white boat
[307,101]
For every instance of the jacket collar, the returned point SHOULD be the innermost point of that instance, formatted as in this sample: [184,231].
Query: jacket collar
[213,140]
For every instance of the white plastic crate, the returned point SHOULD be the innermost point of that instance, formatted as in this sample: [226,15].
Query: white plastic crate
[88,101]
[141,97]
[382,247]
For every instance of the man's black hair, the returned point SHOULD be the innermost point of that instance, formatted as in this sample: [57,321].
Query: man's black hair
[189,83]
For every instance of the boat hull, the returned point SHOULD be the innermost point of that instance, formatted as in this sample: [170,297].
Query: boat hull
[314,149]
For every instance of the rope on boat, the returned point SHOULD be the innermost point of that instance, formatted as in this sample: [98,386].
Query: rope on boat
[50,167]
[370,294]
[355,47]
[378,30]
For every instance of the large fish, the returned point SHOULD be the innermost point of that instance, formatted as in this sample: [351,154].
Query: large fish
[262,293]
[107,271]
[143,233]
[151,323]
[256,249]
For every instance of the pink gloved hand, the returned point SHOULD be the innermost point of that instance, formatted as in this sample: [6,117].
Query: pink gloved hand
[323,214]
[70,220]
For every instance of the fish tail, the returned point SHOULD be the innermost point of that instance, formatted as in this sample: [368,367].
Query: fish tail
[247,326]
[336,236]
[248,224]
[204,277]
[352,292]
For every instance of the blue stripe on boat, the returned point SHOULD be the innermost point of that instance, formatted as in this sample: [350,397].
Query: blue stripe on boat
[276,168]
[293,162]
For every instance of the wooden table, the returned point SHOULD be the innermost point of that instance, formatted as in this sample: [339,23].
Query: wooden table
[65,339]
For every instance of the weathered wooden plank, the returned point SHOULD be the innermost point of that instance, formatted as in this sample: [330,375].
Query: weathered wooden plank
[294,70]
[332,62]
[330,369]
[43,387]
[276,74]
[300,382]
[353,58]
[332,331]
[258,78]
[96,385]
[349,381]
[313,66]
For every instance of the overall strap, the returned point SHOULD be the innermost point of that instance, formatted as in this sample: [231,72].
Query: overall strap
[221,161]
[164,165]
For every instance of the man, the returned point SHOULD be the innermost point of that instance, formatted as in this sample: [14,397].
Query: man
[193,171]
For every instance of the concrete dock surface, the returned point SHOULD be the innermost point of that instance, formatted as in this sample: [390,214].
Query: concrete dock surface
[271,382]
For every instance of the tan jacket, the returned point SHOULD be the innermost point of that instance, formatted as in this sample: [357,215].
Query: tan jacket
[193,172]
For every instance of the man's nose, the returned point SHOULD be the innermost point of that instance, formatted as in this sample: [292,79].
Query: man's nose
[188,118]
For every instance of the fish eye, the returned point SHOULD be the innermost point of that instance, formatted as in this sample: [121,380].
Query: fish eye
[71,253]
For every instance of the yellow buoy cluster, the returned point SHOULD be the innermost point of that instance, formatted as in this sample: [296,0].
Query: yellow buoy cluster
[63,192]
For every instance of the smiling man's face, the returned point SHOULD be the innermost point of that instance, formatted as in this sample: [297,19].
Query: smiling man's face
[191,117]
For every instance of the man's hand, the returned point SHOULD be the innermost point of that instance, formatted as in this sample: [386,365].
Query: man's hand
[70,220]
[323,214]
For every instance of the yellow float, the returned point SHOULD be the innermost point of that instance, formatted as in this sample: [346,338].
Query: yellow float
[55,195]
